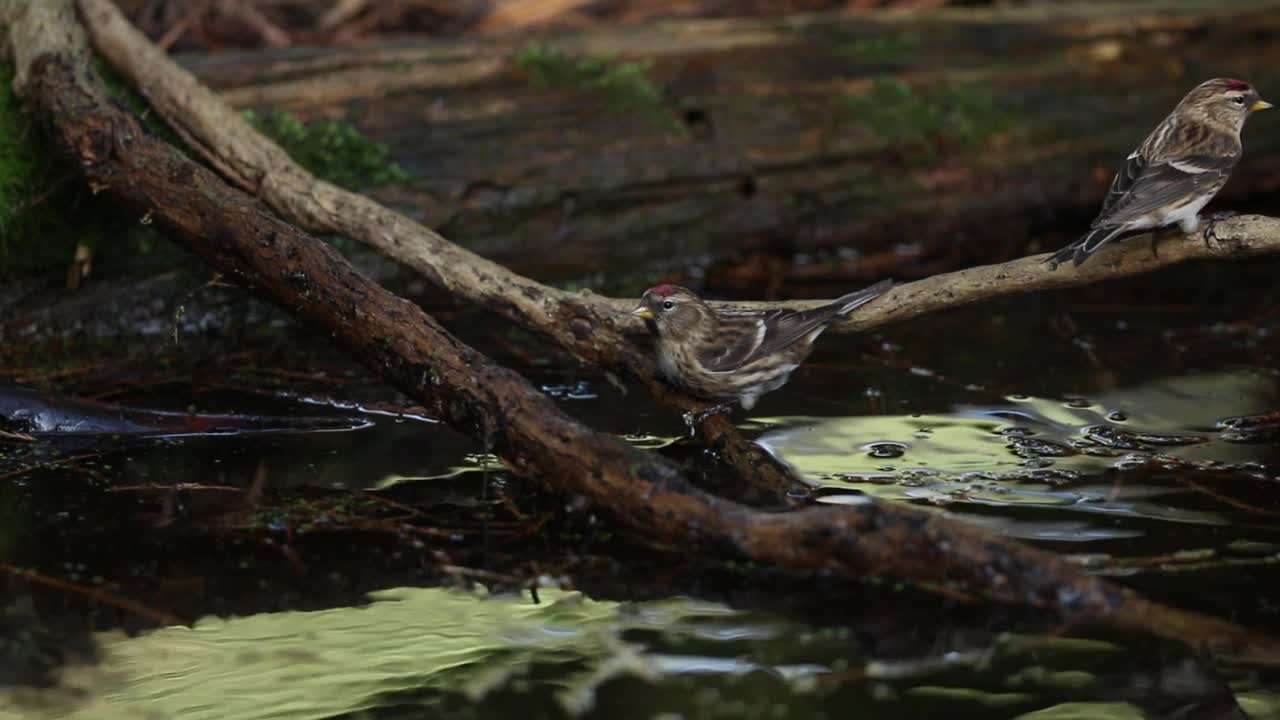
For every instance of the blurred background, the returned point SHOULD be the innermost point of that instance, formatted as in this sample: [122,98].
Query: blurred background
[751,148]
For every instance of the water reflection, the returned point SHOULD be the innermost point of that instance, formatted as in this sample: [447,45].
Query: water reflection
[1049,454]
[414,650]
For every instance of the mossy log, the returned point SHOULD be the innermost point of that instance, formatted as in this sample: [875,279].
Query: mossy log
[968,131]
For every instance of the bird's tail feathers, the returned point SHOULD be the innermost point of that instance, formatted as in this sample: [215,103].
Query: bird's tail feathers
[847,303]
[1089,243]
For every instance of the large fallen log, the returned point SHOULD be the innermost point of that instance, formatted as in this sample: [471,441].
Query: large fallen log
[406,347]
[926,141]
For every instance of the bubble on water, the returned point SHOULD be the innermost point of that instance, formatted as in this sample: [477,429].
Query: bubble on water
[1130,462]
[1036,447]
[885,450]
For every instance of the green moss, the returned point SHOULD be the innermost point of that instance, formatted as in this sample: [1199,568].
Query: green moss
[881,49]
[32,191]
[46,210]
[18,164]
[331,150]
[948,115]
[621,86]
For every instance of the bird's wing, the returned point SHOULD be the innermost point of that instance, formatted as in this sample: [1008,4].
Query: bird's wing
[738,338]
[1152,178]
[747,335]
[1123,182]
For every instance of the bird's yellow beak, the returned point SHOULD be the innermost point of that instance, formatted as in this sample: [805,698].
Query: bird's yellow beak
[643,313]
[1260,105]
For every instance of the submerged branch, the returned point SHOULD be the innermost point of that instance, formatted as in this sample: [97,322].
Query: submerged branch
[411,351]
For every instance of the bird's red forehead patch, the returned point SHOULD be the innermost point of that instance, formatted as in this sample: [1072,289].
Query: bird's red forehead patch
[1233,84]
[664,290]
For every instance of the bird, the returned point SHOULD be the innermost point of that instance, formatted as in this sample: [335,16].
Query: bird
[1177,170]
[734,354]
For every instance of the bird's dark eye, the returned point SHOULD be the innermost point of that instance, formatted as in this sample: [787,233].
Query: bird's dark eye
[1238,99]
[667,305]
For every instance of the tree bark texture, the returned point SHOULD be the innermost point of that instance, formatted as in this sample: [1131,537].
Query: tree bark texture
[925,142]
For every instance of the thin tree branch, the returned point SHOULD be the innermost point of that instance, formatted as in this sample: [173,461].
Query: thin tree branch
[582,323]
[319,206]
[396,339]
[94,594]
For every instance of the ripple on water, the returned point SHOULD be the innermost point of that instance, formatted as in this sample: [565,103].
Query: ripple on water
[1041,454]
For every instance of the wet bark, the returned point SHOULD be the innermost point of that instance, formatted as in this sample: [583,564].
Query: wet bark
[772,134]
[642,491]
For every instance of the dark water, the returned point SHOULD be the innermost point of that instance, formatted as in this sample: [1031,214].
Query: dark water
[393,570]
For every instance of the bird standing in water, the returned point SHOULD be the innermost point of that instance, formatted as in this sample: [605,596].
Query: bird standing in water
[1177,170]
[734,355]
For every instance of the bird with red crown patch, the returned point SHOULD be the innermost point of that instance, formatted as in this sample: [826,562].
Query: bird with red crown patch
[728,355]
[1177,170]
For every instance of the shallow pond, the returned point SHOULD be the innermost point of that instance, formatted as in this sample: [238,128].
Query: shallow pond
[343,556]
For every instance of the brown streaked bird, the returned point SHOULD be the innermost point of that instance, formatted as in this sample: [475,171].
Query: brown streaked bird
[735,354]
[1177,170]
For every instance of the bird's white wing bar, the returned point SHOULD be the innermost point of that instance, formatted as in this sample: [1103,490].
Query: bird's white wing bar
[1200,164]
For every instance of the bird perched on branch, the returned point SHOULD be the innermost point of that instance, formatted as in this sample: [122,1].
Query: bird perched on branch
[1177,170]
[734,354]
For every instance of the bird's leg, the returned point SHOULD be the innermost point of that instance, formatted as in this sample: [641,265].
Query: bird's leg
[694,419]
[1156,236]
[1213,221]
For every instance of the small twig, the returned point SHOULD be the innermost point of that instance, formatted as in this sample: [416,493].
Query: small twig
[1230,501]
[176,31]
[184,487]
[61,374]
[340,12]
[47,464]
[483,574]
[270,33]
[181,309]
[412,511]
[16,436]
[43,197]
[97,595]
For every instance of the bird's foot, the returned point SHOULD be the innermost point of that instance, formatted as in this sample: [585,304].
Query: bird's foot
[693,419]
[1156,236]
[1214,219]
